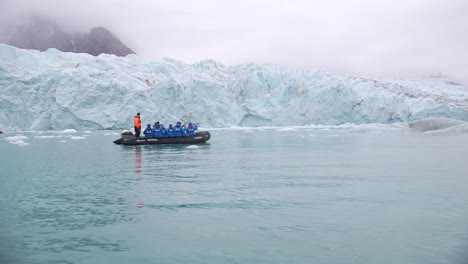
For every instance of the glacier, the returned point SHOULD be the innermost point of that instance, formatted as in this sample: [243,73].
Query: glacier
[54,90]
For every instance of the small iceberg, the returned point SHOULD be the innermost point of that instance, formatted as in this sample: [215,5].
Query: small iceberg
[69,131]
[17,140]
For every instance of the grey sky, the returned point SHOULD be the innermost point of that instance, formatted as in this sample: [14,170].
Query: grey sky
[399,38]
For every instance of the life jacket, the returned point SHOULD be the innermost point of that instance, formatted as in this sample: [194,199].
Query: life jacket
[178,131]
[190,130]
[137,122]
[170,131]
[159,131]
[148,132]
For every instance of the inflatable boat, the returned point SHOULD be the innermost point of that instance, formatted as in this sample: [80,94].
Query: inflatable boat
[128,138]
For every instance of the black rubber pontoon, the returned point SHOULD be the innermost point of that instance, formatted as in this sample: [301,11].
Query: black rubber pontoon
[129,139]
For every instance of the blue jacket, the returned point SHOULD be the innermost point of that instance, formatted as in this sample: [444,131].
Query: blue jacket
[170,131]
[190,130]
[179,131]
[159,132]
[148,132]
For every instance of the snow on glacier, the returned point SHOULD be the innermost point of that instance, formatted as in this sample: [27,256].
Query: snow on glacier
[54,90]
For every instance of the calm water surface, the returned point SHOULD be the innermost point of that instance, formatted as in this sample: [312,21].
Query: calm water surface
[248,196]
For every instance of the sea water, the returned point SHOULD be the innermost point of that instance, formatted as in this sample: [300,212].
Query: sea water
[268,195]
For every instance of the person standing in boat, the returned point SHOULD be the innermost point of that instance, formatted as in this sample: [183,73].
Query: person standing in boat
[190,130]
[137,124]
[148,131]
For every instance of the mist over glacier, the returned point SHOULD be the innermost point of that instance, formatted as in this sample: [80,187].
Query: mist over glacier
[54,90]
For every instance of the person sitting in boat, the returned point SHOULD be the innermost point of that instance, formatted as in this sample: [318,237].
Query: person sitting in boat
[170,131]
[159,131]
[155,123]
[148,131]
[190,130]
[179,130]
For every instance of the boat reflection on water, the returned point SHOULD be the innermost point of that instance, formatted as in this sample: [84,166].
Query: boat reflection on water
[138,176]
[138,162]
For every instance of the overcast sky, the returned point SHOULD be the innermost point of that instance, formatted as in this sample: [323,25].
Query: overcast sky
[398,38]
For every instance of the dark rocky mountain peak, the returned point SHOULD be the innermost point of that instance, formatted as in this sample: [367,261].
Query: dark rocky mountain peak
[42,34]
[102,40]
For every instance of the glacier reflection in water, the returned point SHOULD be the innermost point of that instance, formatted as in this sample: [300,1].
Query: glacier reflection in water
[367,194]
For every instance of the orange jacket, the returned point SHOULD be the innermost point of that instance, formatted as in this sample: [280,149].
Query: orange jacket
[136,121]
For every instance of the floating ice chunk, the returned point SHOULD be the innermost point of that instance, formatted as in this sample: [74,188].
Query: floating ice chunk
[112,134]
[17,140]
[287,129]
[77,137]
[48,136]
[69,131]
[88,132]
[192,147]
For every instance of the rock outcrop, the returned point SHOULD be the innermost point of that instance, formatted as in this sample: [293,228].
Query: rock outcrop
[41,34]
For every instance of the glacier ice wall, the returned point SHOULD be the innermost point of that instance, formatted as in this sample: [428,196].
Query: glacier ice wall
[54,90]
